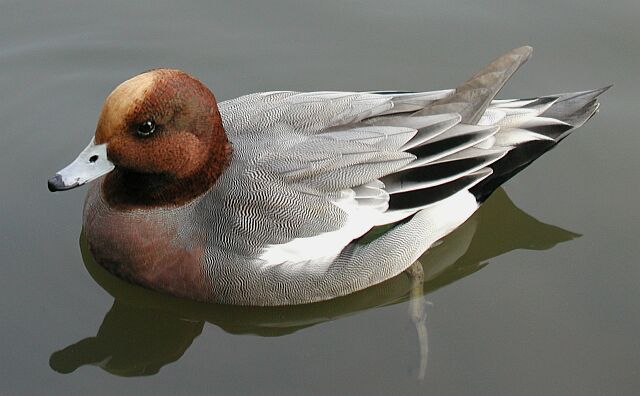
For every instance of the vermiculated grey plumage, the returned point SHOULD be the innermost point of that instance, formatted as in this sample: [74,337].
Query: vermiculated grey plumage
[310,173]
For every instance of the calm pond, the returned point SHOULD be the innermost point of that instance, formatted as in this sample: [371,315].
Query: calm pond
[538,293]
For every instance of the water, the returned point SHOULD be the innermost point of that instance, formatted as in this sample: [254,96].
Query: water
[537,294]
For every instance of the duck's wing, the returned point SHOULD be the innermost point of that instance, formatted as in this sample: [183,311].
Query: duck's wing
[332,154]
[312,172]
[472,98]
[412,149]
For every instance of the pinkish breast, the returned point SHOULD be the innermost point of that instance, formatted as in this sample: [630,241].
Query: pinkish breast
[144,248]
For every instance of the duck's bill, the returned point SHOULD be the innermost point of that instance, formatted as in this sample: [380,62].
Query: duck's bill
[90,165]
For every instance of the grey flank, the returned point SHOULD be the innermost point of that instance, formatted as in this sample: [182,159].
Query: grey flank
[401,155]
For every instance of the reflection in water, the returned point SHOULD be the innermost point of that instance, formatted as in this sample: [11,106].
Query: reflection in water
[144,330]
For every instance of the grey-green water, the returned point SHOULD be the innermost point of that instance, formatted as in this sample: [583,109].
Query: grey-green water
[517,305]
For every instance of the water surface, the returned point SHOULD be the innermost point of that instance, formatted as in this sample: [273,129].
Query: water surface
[537,294]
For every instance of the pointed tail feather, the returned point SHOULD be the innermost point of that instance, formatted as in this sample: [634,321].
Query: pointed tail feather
[472,98]
[567,112]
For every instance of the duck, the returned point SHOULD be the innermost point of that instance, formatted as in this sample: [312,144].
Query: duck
[287,198]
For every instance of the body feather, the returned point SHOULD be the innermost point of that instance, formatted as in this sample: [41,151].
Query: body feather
[313,172]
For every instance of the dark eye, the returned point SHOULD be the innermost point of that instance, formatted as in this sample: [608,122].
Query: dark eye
[146,128]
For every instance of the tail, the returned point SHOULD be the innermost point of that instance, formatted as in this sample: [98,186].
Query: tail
[532,127]
[467,140]
[527,127]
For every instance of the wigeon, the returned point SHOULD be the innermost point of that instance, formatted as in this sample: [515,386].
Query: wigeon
[264,199]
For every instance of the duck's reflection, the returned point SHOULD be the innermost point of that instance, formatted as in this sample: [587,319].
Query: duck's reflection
[145,330]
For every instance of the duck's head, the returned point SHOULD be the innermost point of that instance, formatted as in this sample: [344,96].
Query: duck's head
[162,127]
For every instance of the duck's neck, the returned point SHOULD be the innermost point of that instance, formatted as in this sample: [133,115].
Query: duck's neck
[127,189]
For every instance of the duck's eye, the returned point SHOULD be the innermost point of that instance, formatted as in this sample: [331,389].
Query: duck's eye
[146,128]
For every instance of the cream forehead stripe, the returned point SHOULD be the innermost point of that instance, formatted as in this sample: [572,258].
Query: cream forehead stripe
[121,102]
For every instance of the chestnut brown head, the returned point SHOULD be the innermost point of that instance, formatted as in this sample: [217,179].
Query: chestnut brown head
[162,123]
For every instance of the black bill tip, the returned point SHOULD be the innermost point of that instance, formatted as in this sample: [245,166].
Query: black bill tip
[56,184]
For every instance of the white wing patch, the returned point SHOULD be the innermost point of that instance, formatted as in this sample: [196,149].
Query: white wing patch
[409,162]
[364,206]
